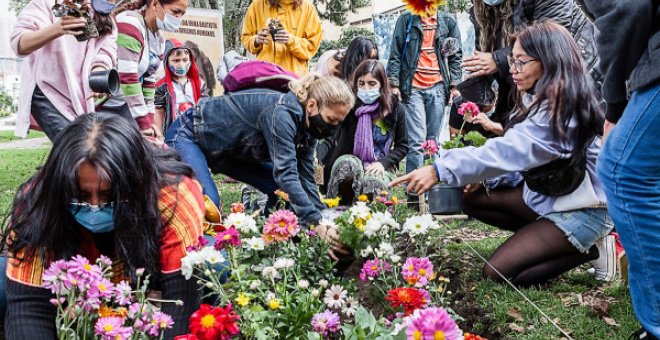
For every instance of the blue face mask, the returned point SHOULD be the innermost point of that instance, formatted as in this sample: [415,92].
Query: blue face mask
[180,71]
[493,2]
[94,218]
[369,96]
[103,6]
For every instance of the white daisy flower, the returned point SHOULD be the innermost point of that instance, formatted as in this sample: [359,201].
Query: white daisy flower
[254,243]
[366,252]
[395,258]
[270,273]
[303,284]
[359,210]
[255,284]
[384,250]
[350,307]
[211,255]
[284,263]
[419,225]
[315,292]
[335,297]
[323,283]
[244,223]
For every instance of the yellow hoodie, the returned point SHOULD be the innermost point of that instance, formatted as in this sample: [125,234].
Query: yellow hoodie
[302,23]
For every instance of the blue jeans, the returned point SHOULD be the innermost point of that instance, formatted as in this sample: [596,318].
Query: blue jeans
[425,114]
[181,137]
[629,167]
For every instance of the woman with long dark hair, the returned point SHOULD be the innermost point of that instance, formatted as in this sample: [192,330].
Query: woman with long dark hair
[104,190]
[359,50]
[54,88]
[548,193]
[372,139]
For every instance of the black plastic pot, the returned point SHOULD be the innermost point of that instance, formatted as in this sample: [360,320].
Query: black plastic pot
[444,199]
[106,81]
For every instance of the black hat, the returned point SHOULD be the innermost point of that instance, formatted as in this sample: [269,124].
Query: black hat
[478,90]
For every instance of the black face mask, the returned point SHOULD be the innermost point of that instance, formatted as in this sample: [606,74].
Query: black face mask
[319,129]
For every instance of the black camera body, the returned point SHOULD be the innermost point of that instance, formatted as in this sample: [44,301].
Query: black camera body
[274,26]
[77,9]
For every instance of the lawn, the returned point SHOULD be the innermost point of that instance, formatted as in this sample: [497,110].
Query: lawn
[8,135]
[583,307]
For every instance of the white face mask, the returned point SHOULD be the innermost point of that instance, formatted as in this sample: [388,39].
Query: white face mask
[170,23]
[369,96]
[493,2]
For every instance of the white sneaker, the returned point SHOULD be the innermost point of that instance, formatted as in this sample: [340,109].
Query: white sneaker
[605,265]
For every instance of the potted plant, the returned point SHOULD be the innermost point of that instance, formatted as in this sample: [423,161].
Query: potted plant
[443,198]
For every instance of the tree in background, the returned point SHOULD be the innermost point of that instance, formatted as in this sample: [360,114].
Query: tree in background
[6,104]
[18,5]
[347,35]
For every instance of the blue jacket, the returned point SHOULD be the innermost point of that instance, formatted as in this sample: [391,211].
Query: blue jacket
[257,126]
[524,146]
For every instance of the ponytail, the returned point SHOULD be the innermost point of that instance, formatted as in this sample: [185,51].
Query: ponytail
[327,91]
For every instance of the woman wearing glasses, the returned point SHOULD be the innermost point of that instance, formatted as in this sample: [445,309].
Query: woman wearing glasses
[546,190]
[103,190]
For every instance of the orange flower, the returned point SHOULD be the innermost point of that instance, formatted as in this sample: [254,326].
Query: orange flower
[105,311]
[281,194]
[469,336]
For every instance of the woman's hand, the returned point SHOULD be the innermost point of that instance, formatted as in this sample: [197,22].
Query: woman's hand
[69,25]
[480,64]
[282,36]
[262,37]
[419,181]
[331,235]
[375,169]
[486,123]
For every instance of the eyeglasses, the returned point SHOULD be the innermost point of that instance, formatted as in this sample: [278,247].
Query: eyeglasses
[84,206]
[518,63]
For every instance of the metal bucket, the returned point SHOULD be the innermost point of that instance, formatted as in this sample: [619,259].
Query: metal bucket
[444,199]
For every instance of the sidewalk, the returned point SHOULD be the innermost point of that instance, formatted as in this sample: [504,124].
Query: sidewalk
[32,143]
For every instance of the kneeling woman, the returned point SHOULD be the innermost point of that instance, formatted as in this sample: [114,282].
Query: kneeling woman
[264,138]
[371,141]
[556,128]
[103,190]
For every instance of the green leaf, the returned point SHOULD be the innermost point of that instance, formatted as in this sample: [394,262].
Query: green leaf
[313,336]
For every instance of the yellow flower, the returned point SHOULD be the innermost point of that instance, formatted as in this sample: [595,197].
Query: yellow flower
[384,193]
[242,300]
[363,198]
[281,194]
[395,200]
[432,276]
[331,202]
[274,304]
[360,224]
[443,279]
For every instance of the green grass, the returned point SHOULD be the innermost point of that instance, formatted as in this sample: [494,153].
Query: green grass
[565,299]
[8,136]
[560,299]
[16,166]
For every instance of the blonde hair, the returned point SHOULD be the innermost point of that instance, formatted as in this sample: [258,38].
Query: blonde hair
[327,91]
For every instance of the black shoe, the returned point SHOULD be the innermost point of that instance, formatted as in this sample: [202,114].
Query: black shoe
[642,334]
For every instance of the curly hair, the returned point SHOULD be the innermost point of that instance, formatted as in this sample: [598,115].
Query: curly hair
[492,20]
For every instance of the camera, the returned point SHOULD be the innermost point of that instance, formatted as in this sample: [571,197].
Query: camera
[274,26]
[78,9]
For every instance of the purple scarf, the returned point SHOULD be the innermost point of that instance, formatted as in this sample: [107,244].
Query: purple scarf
[363,146]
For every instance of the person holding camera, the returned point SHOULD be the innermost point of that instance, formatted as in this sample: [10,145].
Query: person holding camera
[283,32]
[61,45]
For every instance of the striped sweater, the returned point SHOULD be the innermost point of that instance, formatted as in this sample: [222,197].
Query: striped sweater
[137,65]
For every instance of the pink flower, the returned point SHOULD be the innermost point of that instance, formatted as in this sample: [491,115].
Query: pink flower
[53,277]
[373,268]
[201,243]
[123,292]
[432,323]
[468,108]
[102,288]
[104,261]
[417,271]
[281,225]
[82,271]
[161,321]
[325,322]
[111,328]
[228,237]
[429,147]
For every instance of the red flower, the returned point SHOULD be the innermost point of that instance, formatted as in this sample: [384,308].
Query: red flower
[468,108]
[410,298]
[469,336]
[213,323]
[186,337]
[228,237]
[421,7]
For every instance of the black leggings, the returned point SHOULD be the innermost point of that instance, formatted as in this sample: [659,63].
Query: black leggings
[538,250]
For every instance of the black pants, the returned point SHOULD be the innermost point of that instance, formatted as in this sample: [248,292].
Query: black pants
[52,121]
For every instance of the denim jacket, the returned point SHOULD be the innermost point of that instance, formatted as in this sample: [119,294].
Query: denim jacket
[524,146]
[261,125]
[401,68]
